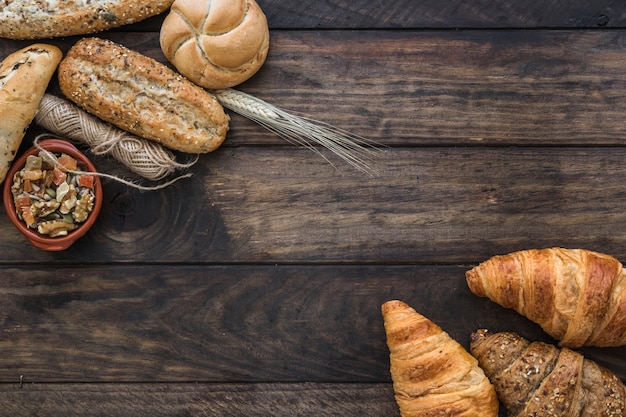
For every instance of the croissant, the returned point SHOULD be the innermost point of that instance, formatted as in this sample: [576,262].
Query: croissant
[577,296]
[538,379]
[432,374]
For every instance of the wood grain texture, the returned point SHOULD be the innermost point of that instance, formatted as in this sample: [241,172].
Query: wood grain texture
[229,324]
[409,14]
[198,399]
[438,88]
[428,205]
[452,88]
[255,286]
[443,88]
[441,195]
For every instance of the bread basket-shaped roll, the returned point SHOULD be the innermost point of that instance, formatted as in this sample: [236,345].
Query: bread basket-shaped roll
[577,296]
[215,43]
[433,375]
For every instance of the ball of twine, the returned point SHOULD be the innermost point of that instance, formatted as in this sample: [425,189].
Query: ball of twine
[145,158]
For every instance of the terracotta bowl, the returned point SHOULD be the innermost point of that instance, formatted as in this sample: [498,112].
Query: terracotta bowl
[42,241]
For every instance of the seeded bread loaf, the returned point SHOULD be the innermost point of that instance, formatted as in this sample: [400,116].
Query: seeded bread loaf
[24,78]
[215,43]
[142,96]
[36,19]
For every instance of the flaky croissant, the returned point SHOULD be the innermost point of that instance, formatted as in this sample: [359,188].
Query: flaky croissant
[432,374]
[577,296]
[540,380]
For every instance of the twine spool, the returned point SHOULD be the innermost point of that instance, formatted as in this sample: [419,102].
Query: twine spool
[145,158]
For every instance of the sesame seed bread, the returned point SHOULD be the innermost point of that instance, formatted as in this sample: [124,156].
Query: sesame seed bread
[140,95]
[24,78]
[36,19]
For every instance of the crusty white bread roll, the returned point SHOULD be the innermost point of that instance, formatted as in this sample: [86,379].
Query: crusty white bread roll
[142,96]
[24,78]
[215,43]
[35,19]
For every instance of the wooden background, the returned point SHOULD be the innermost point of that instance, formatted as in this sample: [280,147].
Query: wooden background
[254,287]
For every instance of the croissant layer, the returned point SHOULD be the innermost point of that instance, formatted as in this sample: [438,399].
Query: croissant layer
[577,296]
[433,375]
[540,380]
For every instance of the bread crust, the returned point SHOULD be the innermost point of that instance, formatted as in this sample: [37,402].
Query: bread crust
[215,43]
[433,375]
[30,19]
[24,78]
[142,96]
[539,379]
[577,296]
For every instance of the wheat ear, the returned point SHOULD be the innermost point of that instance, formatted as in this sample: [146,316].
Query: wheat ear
[301,130]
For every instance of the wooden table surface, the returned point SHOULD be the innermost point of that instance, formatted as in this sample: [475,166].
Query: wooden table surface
[254,287]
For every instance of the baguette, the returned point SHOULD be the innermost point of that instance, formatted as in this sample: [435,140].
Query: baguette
[142,96]
[34,19]
[24,78]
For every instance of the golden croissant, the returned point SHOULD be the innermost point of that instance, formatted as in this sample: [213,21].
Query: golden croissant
[540,380]
[432,374]
[577,296]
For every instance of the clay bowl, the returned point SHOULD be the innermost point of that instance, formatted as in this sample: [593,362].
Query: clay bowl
[43,241]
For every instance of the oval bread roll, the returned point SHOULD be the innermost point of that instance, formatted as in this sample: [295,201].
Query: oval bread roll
[24,78]
[34,19]
[215,43]
[142,96]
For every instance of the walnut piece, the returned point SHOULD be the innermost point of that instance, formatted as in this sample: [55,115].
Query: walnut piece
[83,207]
[44,208]
[68,202]
[55,228]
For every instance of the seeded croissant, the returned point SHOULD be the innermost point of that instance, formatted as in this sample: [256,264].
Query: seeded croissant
[577,296]
[432,374]
[540,380]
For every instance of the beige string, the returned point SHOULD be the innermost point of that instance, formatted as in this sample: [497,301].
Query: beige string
[146,158]
[52,158]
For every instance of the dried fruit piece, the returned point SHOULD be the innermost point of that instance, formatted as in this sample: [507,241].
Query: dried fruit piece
[67,162]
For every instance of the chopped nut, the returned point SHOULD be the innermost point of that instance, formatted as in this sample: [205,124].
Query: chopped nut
[55,228]
[68,202]
[83,208]
[44,208]
[49,197]
[62,190]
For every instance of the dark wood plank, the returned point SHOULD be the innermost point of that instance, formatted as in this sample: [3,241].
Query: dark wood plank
[435,14]
[453,14]
[428,205]
[451,88]
[438,88]
[229,324]
[198,399]
[405,88]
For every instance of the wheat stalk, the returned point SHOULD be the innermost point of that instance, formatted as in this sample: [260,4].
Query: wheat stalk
[301,130]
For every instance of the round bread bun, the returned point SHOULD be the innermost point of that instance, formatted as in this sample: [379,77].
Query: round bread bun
[216,44]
